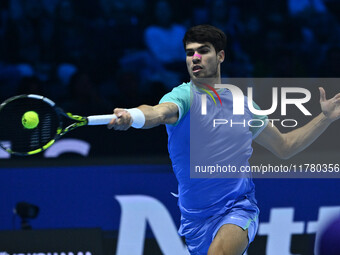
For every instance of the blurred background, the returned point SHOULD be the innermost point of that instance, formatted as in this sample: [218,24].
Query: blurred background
[92,56]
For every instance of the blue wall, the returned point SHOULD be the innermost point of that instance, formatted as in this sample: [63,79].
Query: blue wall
[84,197]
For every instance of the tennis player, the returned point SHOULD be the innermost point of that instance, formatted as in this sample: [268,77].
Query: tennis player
[218,216]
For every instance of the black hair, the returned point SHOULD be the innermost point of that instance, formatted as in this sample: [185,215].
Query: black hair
[206,33]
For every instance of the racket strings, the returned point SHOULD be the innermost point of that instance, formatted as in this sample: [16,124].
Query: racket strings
[15,137]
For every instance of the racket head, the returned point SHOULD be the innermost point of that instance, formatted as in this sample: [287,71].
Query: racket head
[18,140]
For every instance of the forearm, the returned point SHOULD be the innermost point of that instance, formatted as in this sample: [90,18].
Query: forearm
[160,114]
[144,116]
[299,139]
[289,144]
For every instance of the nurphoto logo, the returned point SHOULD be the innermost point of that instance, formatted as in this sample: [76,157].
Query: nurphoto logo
[238,100]
[304,96]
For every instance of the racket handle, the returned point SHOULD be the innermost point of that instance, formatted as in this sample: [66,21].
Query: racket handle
[100,119]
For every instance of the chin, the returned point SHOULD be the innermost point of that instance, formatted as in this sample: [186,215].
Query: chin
[198,75]
[194,77]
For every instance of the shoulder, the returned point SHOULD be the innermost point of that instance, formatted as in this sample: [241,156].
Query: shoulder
[180,96]
[181,90]
[185,86]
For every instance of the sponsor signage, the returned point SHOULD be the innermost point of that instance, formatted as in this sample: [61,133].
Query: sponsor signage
[133,203]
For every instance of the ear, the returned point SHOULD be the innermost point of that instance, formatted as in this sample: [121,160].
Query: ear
[221,56]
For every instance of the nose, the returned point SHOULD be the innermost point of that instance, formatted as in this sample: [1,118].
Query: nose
[196,58]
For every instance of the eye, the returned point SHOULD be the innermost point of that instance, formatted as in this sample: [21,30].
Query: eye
[203,51]
[190,53]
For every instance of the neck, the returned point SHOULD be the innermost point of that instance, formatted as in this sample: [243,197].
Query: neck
[203,82]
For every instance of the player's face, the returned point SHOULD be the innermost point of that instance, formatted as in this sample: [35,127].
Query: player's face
[202,60]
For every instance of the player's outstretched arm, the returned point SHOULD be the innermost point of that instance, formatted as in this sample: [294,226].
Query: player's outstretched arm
[144,116]
[289,144]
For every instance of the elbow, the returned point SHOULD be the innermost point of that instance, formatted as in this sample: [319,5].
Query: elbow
[284,155]
[162,119]
[284,151]
[166,119]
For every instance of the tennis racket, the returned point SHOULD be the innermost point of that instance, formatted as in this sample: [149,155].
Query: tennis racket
[49,124]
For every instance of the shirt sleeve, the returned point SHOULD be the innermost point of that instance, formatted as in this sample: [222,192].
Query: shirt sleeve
[258,129]
[181,97]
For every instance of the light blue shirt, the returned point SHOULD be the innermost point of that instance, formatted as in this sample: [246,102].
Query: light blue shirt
[193,141]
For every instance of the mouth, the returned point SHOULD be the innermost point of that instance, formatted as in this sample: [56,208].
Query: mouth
[196,69]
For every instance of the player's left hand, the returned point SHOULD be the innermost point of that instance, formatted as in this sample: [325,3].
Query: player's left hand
[330,107]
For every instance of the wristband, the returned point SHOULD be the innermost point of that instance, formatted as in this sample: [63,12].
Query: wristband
[138,118]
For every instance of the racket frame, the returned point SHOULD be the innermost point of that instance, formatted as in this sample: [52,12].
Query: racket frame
[79,121]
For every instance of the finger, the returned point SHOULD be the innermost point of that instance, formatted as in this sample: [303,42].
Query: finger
[120,127]
[337,96]
[322,94]
[119,111]
[112,123]
[125,119]
[337,100]
[123,122]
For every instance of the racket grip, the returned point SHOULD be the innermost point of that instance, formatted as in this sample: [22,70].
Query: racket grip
[100,119]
